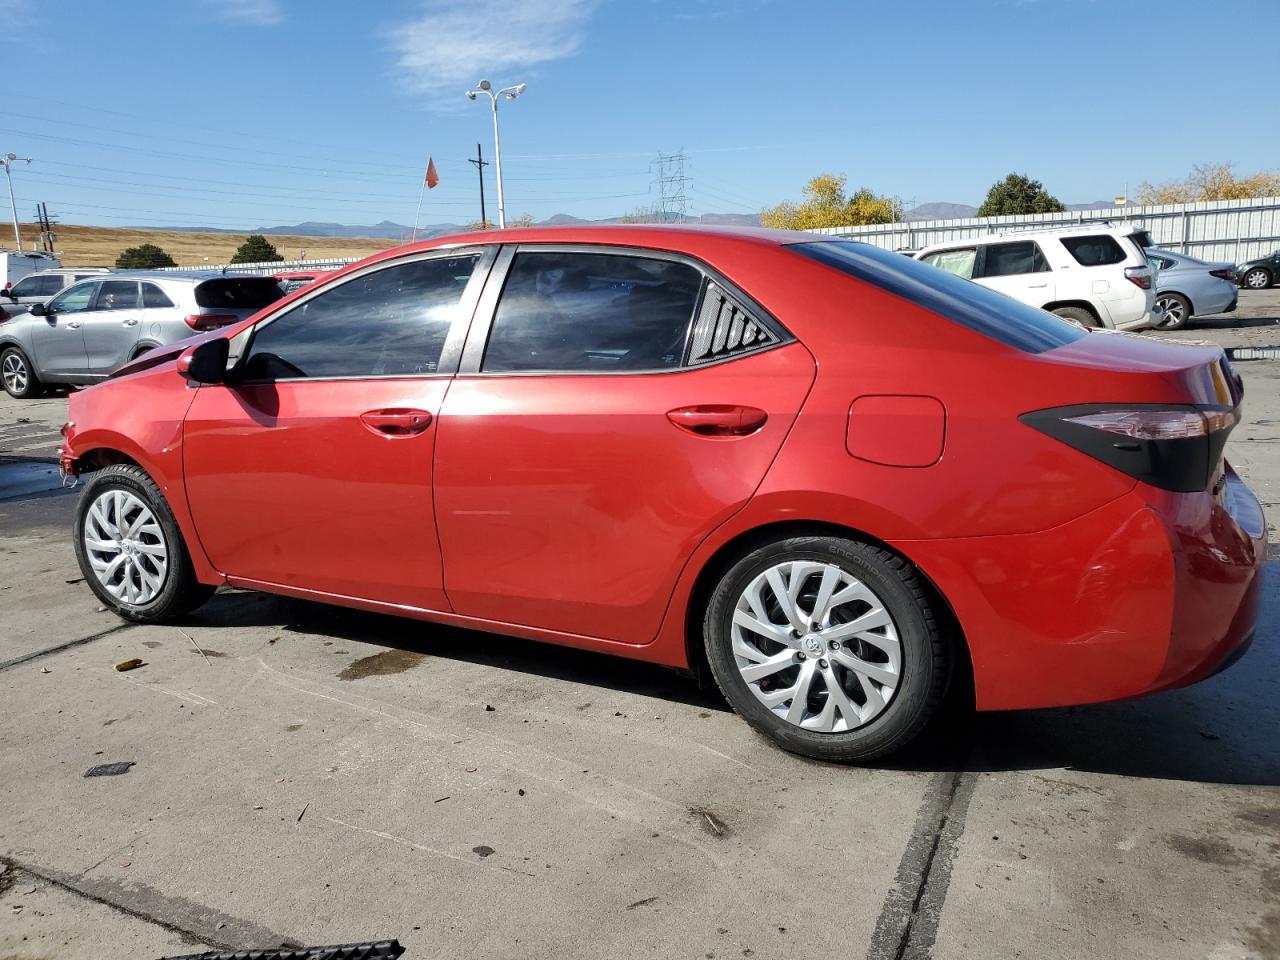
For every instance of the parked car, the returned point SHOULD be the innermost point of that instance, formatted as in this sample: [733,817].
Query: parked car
[1261,272]
[292,280]
[95,325]
[15,266]
[835,478]
[1187,287]
[1096,275]
[40,286]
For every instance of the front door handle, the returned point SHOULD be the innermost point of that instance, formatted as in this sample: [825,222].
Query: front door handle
[718,420]
[1037,286]
[131,322]
[73,325]
[396,422]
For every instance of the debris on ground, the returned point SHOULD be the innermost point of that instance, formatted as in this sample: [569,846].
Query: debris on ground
[520,792]
[641,903]
[482,851]
[76,580]
[303,813]
[1209,736]
[110,769]
[45,670]
[488,708]
[196,645]
[132,663]
[441,800]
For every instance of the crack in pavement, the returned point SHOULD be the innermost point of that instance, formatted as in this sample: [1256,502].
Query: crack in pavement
[49,651]
[908,923]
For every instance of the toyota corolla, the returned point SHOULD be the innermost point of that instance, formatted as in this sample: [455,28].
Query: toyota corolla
[835,479]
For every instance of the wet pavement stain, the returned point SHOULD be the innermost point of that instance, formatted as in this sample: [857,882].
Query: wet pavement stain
[1206,849]
[381,664]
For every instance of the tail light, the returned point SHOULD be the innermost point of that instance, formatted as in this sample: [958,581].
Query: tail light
[1171,446]
[1226,274]
[1139,276]
[209,321]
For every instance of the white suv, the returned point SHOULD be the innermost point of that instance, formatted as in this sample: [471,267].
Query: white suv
[1097,276]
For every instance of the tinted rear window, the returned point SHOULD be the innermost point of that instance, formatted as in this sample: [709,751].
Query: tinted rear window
[1094,251]
[238,293]
[970,304]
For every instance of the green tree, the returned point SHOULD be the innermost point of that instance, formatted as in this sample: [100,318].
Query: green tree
[827,205]
[145,257]
[256,249]
[1018,194]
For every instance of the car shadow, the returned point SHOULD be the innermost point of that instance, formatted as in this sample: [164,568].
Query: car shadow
[1221,731]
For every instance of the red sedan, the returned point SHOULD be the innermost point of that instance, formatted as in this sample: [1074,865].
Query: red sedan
[832,476]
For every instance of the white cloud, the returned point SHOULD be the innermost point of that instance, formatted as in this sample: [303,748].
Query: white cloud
[259,13]
[454,43]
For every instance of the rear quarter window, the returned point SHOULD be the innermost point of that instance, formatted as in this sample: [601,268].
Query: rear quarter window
[1094,251]
[238,293]
[969,304]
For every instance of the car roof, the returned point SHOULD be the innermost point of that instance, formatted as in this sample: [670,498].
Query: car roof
[194,276]
[1005,236]
[61,270]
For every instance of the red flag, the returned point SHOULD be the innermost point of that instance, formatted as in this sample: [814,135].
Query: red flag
[432,177]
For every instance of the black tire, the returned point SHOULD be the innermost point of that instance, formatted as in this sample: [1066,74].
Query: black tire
[181,591]
[1259,278]
[926,652]
[1177,313]
[1079,316]
[33,388]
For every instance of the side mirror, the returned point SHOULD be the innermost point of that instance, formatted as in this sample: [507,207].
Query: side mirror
[206,363]
[39,310]
[8,292]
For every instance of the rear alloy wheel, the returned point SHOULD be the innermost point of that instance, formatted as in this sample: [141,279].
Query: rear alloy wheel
[19,379]
[828,646]
[1177,310]
[1079,316]
[130,549]
[1257,279]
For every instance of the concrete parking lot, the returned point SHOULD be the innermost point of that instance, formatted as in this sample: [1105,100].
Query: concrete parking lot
[309,775]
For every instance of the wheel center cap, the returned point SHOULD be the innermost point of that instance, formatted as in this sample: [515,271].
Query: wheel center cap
[812,645]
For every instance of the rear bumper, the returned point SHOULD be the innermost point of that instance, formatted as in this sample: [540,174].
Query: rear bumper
[1150,591]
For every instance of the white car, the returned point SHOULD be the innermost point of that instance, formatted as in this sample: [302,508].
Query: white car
[1096,275]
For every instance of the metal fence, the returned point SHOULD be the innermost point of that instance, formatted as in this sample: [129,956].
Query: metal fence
[265,269]
[1234,230]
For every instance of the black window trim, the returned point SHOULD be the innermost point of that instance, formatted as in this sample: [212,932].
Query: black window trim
[478,335]
[451,353]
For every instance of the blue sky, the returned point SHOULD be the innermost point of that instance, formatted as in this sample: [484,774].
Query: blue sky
[243,113]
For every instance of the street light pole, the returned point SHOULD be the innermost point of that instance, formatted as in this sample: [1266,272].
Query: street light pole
[510,93]
[8,160]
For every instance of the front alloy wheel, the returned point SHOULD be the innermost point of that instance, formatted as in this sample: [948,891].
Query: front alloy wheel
[126,547]
[16,375]
[829,646]
[1257,279]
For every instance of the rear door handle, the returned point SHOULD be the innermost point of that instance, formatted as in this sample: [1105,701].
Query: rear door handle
[718,420]
[73,325]
[1036,286]
[396,422]
[131,322]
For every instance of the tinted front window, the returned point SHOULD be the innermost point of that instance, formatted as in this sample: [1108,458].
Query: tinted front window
[391,322]
[238,293]
[977,307]
[153,297]
[592,312]
[73,300]
[958,262]
[1010,259]
[1097,251]
[117,295]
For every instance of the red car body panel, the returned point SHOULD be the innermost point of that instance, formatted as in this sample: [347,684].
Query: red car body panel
[570,502]
[571,508]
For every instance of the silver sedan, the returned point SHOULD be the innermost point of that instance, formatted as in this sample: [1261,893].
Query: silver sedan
[1187,287]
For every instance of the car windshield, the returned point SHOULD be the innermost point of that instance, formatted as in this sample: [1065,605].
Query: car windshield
[238,293]
[992,314]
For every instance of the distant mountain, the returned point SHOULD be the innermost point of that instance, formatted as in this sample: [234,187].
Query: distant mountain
[390,230]
[941,211]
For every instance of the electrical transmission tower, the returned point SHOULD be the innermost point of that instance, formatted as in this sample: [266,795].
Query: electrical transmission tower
[673,200]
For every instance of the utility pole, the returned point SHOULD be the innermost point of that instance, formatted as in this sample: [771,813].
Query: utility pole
[480,164]
[9,159]
[47,237]
[671,182]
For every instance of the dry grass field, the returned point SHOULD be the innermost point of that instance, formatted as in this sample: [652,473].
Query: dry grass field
[81,246]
